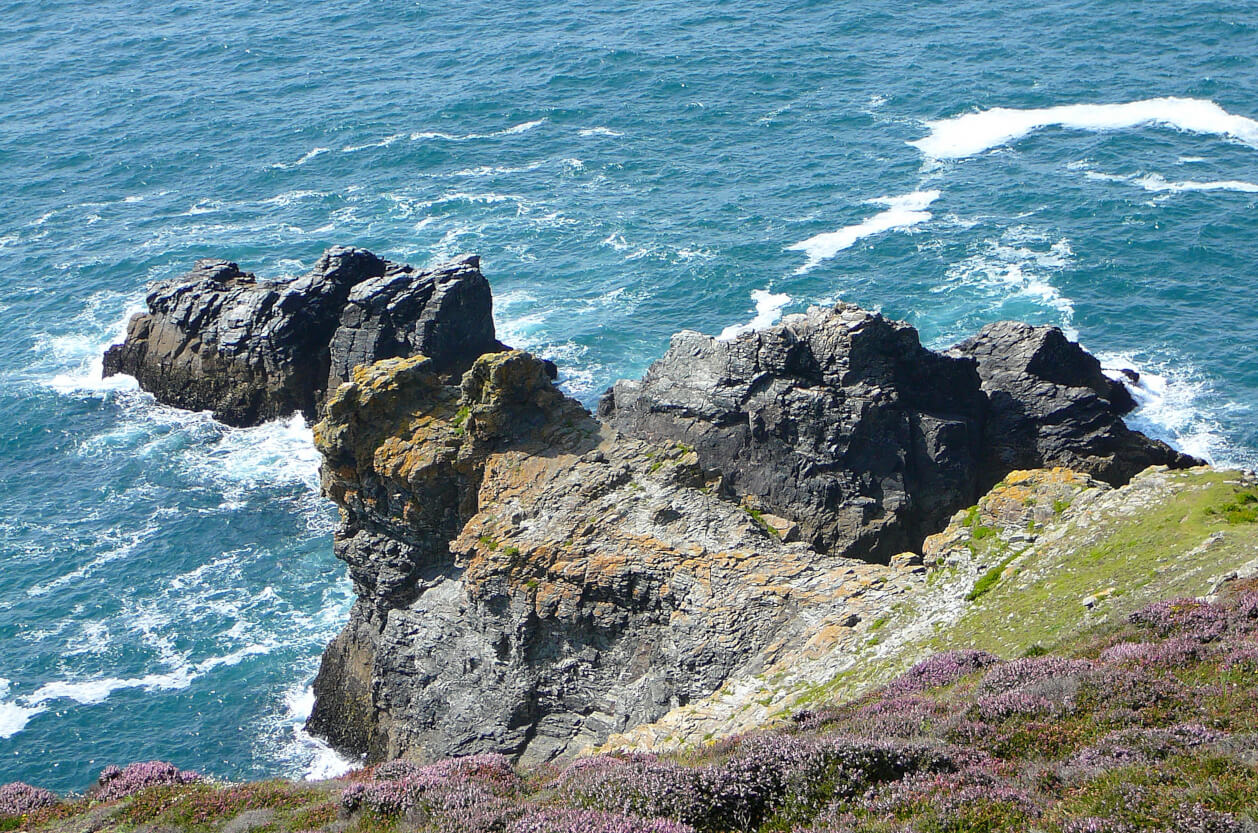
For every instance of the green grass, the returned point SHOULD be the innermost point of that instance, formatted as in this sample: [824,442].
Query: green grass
[988,580]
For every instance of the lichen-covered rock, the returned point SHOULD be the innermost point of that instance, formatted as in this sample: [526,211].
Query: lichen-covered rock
[219,339]
[530,581]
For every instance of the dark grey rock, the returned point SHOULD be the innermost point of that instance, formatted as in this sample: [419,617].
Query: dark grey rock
[1051,405]
[842,422]
[219,339]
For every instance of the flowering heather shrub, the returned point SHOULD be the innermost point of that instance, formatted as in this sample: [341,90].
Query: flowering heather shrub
[904,716]
[1186,617]
[490,770]
[1030,671]
[1172,652]
[393,770]
[769,771]
[399,787]
[941,670]
[1121,688]
[1241,658]
[810,720]
[956,800]
[1195,818]
[554,820]
[1245,613]
[17,799]
[640,785]
[1092,824]
[1128,746]
[118,783]
[1020,703]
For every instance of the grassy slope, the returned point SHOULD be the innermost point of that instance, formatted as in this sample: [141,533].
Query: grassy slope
[1023,770]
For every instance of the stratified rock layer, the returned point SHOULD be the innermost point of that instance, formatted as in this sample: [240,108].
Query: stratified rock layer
[219,339]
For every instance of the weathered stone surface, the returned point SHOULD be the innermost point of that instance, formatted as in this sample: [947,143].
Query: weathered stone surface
[1050,405]
[591,582]
[842,422]
[534,581]
[219,339]
[837,419]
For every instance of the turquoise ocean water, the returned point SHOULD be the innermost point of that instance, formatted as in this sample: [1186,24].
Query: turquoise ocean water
[626,171]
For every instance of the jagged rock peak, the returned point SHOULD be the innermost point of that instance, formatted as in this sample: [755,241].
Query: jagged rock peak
[1050,404]
[840,420]
[219,339]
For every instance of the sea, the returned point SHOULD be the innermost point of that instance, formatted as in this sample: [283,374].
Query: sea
[625,170]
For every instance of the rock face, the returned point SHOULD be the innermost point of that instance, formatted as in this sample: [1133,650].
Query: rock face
[1050,404]
[840,421]
[837,419]
[530,581]
[533,581]
[219,339]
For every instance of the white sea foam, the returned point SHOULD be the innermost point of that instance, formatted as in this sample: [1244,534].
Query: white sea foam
[13,718]
[383,143]
[904,211]
[290,197]
[1160,184]
[1018,265]
[1169,406]
[1155,182]
[523,127]
[496,170]
[600,131]
[316,760]
[973,133]
[80,355]
[768,310]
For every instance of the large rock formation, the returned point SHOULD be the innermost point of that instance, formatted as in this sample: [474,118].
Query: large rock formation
[1049,403]
[532,580]
[840,420]
[219,339]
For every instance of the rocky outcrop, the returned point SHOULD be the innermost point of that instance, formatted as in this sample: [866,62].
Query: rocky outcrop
[840,421]
[837,419]
[219,339]
[1050,404]
[532,580]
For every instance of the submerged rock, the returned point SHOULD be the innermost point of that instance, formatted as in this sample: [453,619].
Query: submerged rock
[219,339]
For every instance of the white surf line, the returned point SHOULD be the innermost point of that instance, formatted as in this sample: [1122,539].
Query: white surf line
[1156,182]
[904,211]
[768,310]
[972,133]
[1160,184]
